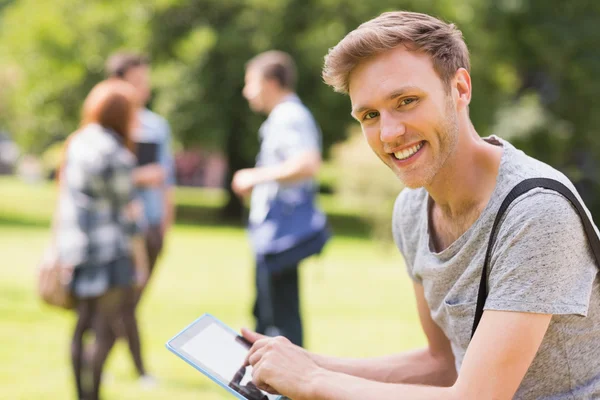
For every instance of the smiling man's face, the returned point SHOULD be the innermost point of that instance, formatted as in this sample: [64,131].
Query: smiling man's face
[407,116]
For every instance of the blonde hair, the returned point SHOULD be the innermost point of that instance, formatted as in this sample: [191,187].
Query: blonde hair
[418,32]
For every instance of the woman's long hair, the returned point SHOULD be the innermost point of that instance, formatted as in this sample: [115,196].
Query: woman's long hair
[112,104]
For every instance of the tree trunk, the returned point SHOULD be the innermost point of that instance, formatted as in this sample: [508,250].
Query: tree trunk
[234,210]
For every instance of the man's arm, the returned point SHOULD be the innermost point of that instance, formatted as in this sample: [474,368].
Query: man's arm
[301,166]
[168,209]
[433,365]
[151,175]
[168,192]
[494,366]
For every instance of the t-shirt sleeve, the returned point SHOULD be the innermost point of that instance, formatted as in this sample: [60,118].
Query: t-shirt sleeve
[296,132]
[398,233]
[541,261]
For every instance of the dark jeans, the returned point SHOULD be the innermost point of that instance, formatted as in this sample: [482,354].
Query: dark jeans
[277,304]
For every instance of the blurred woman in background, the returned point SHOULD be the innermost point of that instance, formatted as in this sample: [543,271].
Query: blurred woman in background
[98,229]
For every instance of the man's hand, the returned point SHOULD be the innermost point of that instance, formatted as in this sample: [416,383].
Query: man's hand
[151,175]
[280,367]
[243,181]
[252,336]
[140,261]
[168,210]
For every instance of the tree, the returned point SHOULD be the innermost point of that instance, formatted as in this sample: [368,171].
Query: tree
[552,45]
[206,44]
[51,58]
[54,56]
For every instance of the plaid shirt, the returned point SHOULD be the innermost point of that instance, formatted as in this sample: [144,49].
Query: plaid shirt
[96,186]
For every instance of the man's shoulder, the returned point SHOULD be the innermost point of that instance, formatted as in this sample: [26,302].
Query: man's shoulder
[152,117]
[522,167]
[290,112]
[153,127]
[540,208]
[410,202]
[410,207]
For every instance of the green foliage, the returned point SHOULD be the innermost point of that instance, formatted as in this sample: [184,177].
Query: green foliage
[552,45]
[199,48]
[53,56]
[520,50]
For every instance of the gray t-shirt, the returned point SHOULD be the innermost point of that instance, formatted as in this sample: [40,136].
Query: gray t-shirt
[541,263]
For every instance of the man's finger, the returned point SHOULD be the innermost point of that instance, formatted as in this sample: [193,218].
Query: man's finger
[252,336]
[257,346]
[256,356]
[258,378]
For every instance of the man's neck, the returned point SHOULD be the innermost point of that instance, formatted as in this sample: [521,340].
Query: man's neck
[279,98]
[468,178]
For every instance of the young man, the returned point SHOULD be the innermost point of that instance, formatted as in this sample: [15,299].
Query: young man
[290,157]
[407,75]
[154,177]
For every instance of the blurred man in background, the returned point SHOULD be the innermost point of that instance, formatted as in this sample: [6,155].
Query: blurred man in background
[289,159]
[154,175]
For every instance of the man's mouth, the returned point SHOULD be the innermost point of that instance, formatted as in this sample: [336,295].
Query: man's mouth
[407,153]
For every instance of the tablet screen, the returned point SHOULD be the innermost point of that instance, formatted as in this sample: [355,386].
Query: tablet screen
[222,353]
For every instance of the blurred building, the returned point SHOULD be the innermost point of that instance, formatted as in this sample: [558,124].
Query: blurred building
[195,167]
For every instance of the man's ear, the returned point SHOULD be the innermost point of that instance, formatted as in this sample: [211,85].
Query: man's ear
[462,88]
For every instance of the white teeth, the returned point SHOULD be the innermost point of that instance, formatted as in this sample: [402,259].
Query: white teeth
[404,154]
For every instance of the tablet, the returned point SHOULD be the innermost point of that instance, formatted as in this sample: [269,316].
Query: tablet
[218,352]
[147,153]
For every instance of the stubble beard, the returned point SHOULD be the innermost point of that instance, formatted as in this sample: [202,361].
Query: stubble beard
[447,132]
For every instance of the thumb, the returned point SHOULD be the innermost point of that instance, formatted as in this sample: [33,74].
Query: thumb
[251,336]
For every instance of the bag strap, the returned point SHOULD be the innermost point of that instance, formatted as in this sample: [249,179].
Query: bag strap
[517,191]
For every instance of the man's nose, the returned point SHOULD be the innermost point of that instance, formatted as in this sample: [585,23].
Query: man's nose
[391,129]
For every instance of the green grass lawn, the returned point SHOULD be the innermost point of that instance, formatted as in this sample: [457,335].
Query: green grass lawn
[356,299]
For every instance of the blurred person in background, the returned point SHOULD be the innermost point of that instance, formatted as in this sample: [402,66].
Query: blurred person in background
[289,159]
[99,228]
[155,176]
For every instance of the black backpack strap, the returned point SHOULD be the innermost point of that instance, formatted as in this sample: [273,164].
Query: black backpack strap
[517,191]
